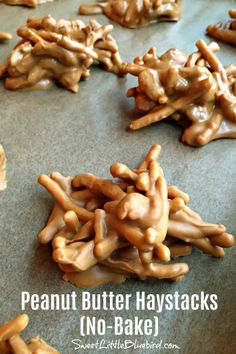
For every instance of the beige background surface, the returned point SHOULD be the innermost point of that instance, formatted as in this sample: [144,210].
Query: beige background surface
[51,130]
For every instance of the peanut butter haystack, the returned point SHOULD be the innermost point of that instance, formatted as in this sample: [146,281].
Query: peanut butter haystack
[134,13]
[12,343]
[28,3]
[59,50]
[3,161]
[196,91]
[225,32]
[108,230]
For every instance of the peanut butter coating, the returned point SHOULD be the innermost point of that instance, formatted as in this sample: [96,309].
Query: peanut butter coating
[224,31]
[12,343]
[133,227]
[196,91]
[134,13]
[59,51]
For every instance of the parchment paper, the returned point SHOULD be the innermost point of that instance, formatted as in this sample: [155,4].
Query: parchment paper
[43,131]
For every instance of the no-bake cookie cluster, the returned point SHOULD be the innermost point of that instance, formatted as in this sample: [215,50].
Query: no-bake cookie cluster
[59,51]
[194,90]
[131,226]
[134,13]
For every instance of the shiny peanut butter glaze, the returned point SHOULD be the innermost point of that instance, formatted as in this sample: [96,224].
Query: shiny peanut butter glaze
[131,226]
[28,3]
[12,343]
[224,31]
[61,51]
[134,13]
[196,91]
[3,161]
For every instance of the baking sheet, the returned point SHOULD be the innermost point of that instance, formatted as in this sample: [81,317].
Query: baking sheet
[43,131]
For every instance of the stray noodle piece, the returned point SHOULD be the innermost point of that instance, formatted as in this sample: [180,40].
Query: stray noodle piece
[196,91]
[59,50]
[225,32]
[12,343]
[3,161]
[28,3]
[107,230]
[4,36]
[134,13]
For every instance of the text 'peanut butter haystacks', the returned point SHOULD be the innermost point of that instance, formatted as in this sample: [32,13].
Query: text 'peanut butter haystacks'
[225,32]
[134,13]
[129,227]
[196,91]
[12,343]
[59,50]
[28,3]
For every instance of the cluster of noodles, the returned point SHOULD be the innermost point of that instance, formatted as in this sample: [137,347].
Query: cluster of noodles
[196,91]
[134,13]
[59,50]
[111,229]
